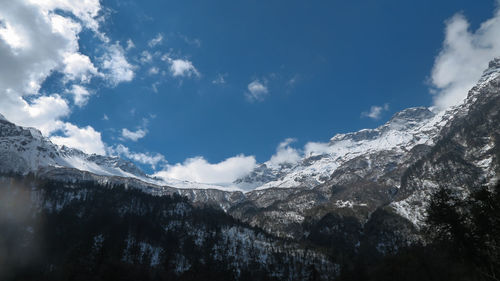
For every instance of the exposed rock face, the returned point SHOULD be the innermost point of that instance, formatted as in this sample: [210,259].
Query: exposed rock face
[466,155]
[359,171]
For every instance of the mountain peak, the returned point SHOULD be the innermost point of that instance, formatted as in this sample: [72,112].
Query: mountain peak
[412,114]
[494,64]
[2,118]
[492,71]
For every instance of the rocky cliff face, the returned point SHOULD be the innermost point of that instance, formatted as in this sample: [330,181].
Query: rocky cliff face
[466,154]
[358,172]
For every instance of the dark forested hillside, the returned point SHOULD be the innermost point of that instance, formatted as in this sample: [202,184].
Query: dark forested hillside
[55,231]
[462,242]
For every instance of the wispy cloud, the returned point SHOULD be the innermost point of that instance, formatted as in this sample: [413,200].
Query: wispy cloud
[181,67]
[145,57]
[220,79]
[155,41]
[80,95]
[130,45]
[256,91]
[292,81]
[118,69]
[141,130]
[153,70]
[144,158]
[195,42]
[133,135]
[375,111]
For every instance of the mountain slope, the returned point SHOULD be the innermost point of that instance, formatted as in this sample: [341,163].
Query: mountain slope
[467,153]
[367,189]
[359,173]
[406,129]
[61,231]
[24,150]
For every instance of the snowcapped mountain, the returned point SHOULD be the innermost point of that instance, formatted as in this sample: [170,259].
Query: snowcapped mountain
[405,130]
[466,156]
[362,190]
[397,165]
[25,150]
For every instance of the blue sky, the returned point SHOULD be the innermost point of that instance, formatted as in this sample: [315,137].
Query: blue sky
[217,79]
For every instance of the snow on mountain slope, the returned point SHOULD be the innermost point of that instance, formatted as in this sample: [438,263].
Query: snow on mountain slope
[25,150]
[466,155]
[405,130]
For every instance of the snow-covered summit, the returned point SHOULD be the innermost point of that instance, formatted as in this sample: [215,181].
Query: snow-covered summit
[402,122]
[25,150]
[406,129]
[492,71]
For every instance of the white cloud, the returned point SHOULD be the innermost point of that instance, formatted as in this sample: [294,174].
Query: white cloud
[256,91]
[285,153]
[31,46]
[87,11]
[79,67]
[134,136]
[105,117]
[153,70]
[316,148]
[156,41]
[144,158]
[464,56]
[43,112]
[220,79]
[293,81]
[118,68]
[154,86]
[375,111]
[196,42]
[145,57]
[80,95]
[130,45]
[11,36]
[179,67]
[86,139]
[38,38]
[198,169]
